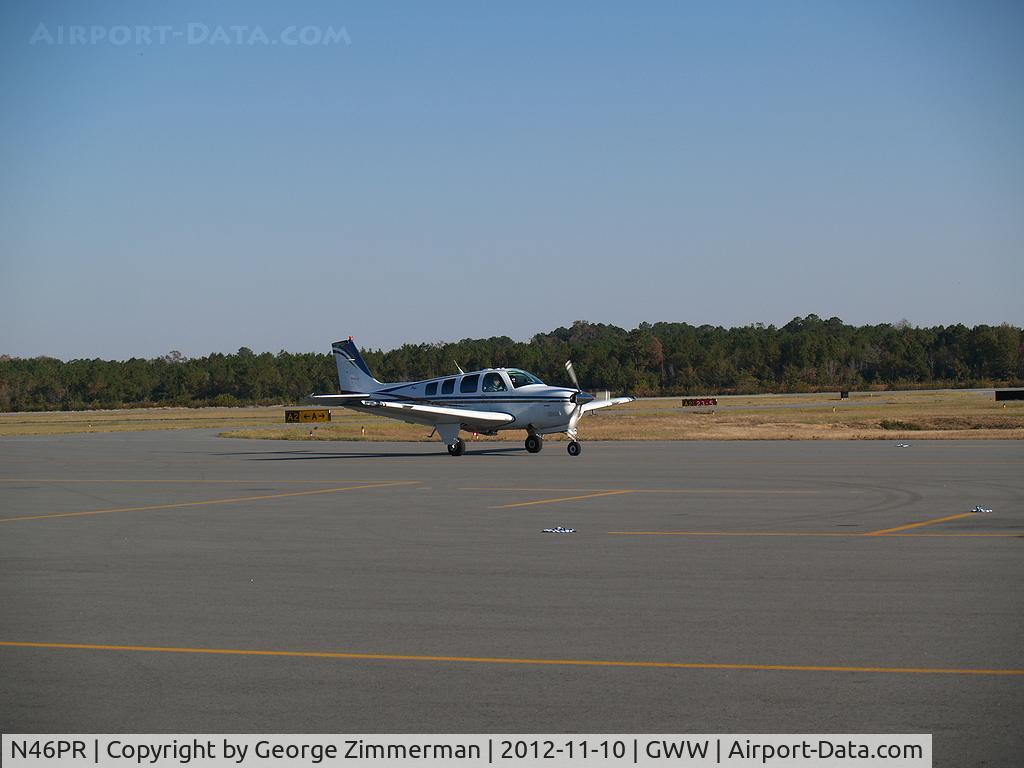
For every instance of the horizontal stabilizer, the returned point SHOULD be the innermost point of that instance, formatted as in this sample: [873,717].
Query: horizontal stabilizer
[336,399]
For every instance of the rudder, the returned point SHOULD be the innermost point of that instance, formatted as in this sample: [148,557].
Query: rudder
[353,373]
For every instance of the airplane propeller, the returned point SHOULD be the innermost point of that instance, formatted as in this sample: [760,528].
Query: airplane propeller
[572,375]
[579,398]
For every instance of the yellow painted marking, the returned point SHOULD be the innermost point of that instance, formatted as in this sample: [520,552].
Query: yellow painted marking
[895,531]
[563,498]
[649,490]
[729,533]
[254,481]
[1018,535]
[503,660]
[203,503]
[957,535]
[933,521]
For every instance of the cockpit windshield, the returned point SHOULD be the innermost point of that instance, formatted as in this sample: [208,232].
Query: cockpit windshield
[522,378]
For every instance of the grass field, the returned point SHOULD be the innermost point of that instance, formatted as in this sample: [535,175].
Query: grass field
[134,420]
[957,414]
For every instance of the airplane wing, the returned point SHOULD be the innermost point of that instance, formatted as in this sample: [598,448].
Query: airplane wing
[417,413]
[593,405]
[432,415]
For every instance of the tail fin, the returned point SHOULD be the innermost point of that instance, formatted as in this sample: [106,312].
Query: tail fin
[353,374]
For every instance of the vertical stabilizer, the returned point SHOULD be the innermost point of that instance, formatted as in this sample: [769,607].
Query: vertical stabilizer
[353,373]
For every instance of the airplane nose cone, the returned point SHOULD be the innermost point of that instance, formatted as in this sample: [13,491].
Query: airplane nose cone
[581,398]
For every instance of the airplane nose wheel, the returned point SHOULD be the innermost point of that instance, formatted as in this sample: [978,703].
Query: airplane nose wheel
[574,448]
[457,448]
[534,443]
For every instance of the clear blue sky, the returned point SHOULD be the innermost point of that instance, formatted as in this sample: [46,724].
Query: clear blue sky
[451,170]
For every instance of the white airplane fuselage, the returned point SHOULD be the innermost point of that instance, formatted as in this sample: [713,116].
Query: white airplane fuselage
[538,408]
[485,401]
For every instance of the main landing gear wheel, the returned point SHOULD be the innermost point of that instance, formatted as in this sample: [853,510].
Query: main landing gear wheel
[457,448]
[574,448]
[534,443]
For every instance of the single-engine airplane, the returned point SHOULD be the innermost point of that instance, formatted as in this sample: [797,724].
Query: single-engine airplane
[484,401]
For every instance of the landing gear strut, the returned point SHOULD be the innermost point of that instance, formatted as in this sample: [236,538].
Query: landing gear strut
[457,448]
[574,448]
[534,443]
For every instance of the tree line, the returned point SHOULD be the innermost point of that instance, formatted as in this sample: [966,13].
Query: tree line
[807,354]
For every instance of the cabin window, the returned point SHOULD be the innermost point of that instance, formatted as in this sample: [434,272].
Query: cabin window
[493,383]
[469,383]
[431,388]
[448,386]
[522,378]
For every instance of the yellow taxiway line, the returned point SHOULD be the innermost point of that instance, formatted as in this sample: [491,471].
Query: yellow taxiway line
[523,661]
[732,533]
[898,531]
[254,481]
[593,493]
[823,534]
[555,501]
[933,521]
[698,491]
[209,502]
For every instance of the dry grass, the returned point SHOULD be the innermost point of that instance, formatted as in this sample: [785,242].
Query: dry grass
[134,420]
[917,415]
[908,415]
